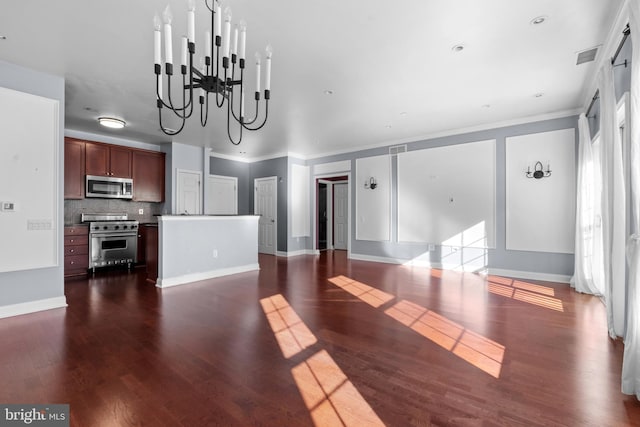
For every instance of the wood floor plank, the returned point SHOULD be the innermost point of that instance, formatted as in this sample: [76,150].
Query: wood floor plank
[421,347]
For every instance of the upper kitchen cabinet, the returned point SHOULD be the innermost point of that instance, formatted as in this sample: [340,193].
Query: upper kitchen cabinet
[74,156]
[148,176]
[108,160]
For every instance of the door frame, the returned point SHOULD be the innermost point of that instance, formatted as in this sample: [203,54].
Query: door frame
[331,179]
[177,193]
[275,214]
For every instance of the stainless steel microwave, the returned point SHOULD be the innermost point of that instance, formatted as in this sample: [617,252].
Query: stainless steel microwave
[107,187]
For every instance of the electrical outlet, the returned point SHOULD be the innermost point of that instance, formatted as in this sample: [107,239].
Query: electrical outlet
[140,211]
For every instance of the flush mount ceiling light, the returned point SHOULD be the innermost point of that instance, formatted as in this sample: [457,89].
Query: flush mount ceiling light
[111,122]
[217,79]
[538,20]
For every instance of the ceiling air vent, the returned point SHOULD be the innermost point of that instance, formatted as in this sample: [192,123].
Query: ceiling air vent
[587,55]
[393,151]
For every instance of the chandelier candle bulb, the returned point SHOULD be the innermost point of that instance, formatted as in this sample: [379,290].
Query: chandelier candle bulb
[191,21]
[157,40]
[168,50]
[234,44]
[226,38]
[218,21]
[184,55]
[207,43]
[267,74]
[243,39]
[257,72]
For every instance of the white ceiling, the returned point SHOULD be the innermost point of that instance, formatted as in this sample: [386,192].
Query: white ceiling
[390,65]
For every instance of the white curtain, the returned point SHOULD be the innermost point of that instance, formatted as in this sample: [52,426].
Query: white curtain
[631,361]
[613,201]
[586,227]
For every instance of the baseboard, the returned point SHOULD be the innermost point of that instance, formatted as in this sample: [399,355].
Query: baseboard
[529,275]
[295,253]
[32,306]
[372,258]
[196,277]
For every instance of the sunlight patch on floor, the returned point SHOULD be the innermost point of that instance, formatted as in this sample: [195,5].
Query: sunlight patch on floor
[372,296]
[542,296]
[292,334]
[332,400]
[475,349]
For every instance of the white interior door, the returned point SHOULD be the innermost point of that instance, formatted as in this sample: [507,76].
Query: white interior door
[265,204]
[222,195]
[188,192]
[340,215]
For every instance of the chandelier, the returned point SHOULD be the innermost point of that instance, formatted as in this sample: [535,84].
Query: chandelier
[217,79]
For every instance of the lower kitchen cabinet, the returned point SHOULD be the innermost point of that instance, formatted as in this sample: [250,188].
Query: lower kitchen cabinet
[151,251]
[76,250]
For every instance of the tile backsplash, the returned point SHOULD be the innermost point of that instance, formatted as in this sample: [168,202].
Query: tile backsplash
[73,209]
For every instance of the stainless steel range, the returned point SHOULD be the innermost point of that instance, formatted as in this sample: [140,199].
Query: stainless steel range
[113,239]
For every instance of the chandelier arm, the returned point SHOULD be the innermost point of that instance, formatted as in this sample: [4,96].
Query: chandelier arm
[237,118]
[229,127]
[206,3]
[266,115]
[177,110]
[167,132]
[255,117]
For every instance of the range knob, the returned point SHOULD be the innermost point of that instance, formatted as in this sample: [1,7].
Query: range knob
[105,227]
[117,227]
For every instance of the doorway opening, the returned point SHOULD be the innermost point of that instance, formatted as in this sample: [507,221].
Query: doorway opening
[332,213]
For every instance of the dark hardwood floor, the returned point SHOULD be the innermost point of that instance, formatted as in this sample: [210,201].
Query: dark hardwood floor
[320,340]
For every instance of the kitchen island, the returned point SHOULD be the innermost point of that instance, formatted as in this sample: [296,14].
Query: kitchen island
[200,247]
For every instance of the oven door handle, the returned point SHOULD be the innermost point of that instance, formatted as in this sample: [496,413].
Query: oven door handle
[92,235]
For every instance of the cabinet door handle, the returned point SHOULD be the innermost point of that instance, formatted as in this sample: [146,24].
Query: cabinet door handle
[72,250]
[72,262]
[71,240]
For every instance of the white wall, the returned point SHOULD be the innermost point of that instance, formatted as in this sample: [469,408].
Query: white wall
[30,126]
[541,212]
[446,195]
[42,288]
[299,201]
[373,207]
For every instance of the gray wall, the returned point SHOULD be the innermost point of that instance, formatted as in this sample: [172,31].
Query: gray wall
[32,285]
[240,170]
[498,258]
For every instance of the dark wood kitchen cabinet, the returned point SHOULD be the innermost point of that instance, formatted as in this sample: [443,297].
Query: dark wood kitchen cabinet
[148,176]
[74,158]
[76,250]
[151,251]
[108,160]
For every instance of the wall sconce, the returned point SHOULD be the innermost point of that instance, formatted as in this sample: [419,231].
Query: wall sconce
[538,171]
[372,184]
